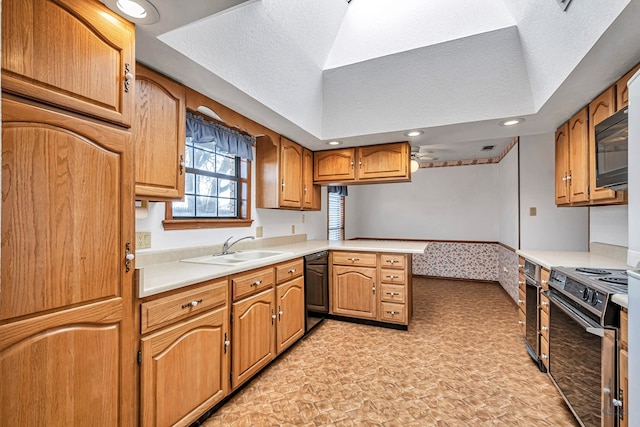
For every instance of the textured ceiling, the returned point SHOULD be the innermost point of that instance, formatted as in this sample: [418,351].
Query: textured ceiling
[367,71]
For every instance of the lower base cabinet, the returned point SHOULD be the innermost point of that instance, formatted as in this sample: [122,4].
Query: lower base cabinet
[185,370]
[254,333]
[354,292]
[290,298]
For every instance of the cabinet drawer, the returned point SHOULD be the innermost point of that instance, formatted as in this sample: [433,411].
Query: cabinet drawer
[544,278]
[522,321]
[289,270]
[521,299]
[246,284]
[544,325]
[392,312]
[160,312]
[355,258]
[544,352]
[392,261]
[544,305]
[393,293]
[392,276]
[624,329]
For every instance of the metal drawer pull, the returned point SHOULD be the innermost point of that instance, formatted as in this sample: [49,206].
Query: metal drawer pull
[353,259]
[393,294]
[192,303]
[520,282]
[520,265]
[544,328]
[544,282]
[293,270]
[544,356]
[393,312]
[544,303]
[520,322]
[392,261]
[393,277]
[520,301]
[256,283]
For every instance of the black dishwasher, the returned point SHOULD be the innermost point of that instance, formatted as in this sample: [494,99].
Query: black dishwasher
[316,288]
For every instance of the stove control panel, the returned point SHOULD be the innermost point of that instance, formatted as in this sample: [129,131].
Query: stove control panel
[578,291]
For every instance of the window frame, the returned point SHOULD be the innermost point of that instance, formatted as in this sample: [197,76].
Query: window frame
[171,223]
[342,215]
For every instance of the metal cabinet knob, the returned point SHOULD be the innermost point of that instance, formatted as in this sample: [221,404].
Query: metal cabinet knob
[520,265]
[544,303]
[520,322]
[520,301]
[544,356]
[256,283]
[544,328]
[520,282]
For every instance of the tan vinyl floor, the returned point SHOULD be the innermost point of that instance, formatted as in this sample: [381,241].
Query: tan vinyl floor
[462,363]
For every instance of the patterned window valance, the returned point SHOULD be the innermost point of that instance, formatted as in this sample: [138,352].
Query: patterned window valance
[226,139]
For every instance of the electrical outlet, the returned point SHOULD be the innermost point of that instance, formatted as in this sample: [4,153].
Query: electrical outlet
[533,211]
[259,231]
[302,219]
[143,240]
[293,229]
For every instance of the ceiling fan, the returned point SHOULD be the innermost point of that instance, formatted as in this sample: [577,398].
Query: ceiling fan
[422,154]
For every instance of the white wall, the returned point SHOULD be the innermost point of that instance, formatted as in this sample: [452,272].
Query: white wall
[274,222]
[552,228]
[449,203]
[634,173]
[609,224]
[508,204]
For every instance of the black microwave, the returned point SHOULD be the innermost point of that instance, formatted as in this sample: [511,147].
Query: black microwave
[612,158]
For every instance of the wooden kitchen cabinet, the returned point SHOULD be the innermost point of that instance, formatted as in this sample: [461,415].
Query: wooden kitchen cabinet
[522,298]
[372,286]
[599,109]
[253,335]
[66,344]
[185,369]
[572,160]
[311,199]
[282,176]
[74,54]
[622,91]
[623,374]
[159,136]
[368,164]
[290,300]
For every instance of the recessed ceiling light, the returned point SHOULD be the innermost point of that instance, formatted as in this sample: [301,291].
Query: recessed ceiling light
[136,11]
[334,142]
[511,122]
[413,133]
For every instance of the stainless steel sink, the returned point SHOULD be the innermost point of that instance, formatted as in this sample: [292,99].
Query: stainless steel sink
[235,258]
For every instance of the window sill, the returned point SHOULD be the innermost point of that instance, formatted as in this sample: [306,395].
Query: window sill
[186,224]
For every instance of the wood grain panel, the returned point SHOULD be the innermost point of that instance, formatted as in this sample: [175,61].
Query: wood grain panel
[290,174]
[354,292]
[184,370]
[579,157]
[160,312]
[291,311]
[392,312]
[254,281]
[562,164]
[393,261]
[367,259]
[334,165]
[70,53]
[289,270]
[383,161]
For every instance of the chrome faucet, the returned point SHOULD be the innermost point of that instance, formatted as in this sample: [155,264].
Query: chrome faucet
[226,246]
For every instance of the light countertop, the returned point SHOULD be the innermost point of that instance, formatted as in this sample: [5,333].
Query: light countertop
[623,300]
[158,278]
[550,259]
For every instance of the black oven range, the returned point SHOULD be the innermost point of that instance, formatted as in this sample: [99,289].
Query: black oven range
[583,325]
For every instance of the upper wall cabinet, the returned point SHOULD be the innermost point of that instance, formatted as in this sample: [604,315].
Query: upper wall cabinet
[369,164]
[159,136]
[283,175]
[65,53]
[576,151]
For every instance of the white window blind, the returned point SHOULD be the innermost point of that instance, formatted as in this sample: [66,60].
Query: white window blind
[336,217]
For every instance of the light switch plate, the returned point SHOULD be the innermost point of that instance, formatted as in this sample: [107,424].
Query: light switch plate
[533,211]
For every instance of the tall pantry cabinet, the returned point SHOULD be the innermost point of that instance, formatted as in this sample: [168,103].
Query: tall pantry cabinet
[66,309]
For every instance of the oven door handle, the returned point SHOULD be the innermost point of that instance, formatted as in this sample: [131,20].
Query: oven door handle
[588,326]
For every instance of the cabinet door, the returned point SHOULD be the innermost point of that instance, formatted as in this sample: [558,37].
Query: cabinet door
[185,370]
[68,181]
[562,164]
[334,165]
[159,136]
[624,387]
[75,54]
[579,157]
[622,91]
[254,335]
[383,161]
[310,192]
[290,174]
[290,299]
[599,109]
[354,291]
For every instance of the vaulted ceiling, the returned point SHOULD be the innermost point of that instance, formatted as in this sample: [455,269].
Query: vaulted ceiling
[368,71]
